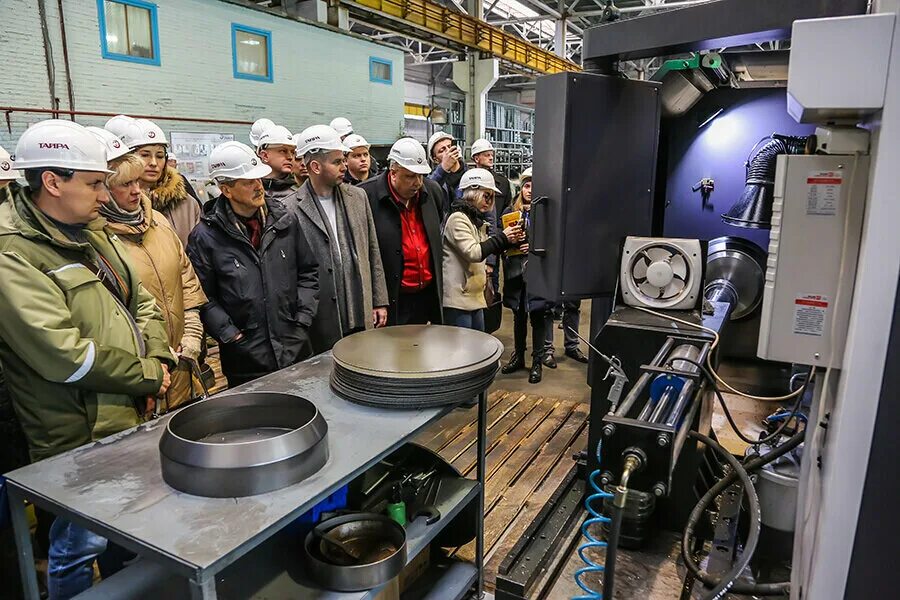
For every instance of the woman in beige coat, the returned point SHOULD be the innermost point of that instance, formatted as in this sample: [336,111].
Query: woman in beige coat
[157,254]
[466,245]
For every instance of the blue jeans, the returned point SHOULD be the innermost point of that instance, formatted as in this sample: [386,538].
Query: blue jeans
[73,550]
[470,319]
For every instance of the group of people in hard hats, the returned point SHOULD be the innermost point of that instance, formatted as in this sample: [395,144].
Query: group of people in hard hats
[114,272]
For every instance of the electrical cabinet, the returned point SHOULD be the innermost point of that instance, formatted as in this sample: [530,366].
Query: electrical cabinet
[817,218]
[595,145]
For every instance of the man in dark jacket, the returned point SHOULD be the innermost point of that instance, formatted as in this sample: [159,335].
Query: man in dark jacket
[406,210]
[257,270]
[448,167]
[337,221]
[359,161]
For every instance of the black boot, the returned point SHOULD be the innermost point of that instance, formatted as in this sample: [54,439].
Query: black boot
[516,362]
[536,373]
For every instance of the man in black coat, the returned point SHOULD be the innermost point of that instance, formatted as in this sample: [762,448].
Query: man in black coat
[406,210]
[257,269]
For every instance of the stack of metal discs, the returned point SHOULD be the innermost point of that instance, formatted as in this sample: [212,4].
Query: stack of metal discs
[415,366]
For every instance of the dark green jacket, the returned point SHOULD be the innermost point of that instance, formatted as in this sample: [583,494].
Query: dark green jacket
[78,361]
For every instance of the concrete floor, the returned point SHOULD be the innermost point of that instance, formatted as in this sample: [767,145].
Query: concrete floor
[568,380]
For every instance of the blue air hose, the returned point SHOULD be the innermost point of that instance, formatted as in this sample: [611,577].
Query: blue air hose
[594,518]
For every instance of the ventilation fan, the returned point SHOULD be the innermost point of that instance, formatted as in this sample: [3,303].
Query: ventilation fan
[661,272]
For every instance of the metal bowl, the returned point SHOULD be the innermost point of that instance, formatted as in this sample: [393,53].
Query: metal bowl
[243,444]
[377,547]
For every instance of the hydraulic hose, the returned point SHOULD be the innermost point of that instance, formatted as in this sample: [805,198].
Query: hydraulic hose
[612,550]
[758,589]
[781,428]
[725,584]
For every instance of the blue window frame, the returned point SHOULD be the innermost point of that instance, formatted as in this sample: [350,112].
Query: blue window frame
[129,31]
[251,53]
[381,70]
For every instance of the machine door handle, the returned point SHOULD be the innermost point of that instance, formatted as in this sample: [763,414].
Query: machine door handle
[538,245]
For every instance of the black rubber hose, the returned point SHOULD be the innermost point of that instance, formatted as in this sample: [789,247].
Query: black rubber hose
[726,583]
[758,589]
[771,437]
[612,550]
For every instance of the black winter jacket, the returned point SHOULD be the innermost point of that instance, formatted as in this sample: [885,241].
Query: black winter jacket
[386,215]
[270,295]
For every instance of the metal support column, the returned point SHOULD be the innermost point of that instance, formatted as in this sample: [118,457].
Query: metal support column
[204,589]
[481,474]
[23,544]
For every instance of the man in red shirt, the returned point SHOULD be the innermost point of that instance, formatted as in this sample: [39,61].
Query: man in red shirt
[406,210]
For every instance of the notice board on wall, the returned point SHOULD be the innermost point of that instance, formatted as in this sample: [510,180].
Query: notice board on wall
[192,150]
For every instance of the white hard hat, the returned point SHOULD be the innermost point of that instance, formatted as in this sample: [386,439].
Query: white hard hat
[276,135]
[481,145]
[525,176]
[60,144]
[342,125]
[234,160]
[319,137]
[355,141]
[409,154]
[115,148]
[151,134]
[6,170]
[478,178]
[258,128]
[119,125]
[435,138]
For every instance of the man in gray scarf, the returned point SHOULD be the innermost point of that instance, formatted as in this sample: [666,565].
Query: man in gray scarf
[337,221]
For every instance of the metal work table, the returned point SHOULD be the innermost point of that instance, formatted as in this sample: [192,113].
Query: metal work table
[114,487]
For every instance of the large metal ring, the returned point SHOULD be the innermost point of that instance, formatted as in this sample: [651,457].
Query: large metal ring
[243,444]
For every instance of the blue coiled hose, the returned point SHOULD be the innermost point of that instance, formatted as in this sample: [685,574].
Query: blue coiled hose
[591,542]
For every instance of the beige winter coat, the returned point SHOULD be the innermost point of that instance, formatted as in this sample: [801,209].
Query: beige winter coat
[166,272]
[464,269]
[171,198]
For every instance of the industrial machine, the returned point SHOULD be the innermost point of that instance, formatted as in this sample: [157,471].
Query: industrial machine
[664,308]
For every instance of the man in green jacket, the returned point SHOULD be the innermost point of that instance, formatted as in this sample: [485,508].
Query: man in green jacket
[83,345]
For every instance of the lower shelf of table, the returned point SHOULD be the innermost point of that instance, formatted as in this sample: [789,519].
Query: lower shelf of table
[276,570]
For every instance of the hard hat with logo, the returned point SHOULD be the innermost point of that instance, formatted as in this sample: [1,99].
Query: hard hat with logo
[115,148]
[481,145]
[478,178]
[258,128]
[55,143]
[409,154]
[319,137]
[355,141]
[342,125]
[6,170]
[276,136]
[234,160]
[435,138]
[151,135]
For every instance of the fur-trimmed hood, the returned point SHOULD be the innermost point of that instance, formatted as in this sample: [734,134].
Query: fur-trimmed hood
[169,190]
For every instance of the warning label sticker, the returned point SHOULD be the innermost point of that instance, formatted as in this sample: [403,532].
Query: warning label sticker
[823,192]
[809,314]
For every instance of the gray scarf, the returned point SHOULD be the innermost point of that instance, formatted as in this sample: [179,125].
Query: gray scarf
[113,212]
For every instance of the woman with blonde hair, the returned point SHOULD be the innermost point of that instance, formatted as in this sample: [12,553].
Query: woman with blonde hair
[466,247]
[156,251]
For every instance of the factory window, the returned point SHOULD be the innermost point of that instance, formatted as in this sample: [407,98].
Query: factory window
[381,70]
[128,31]
[251,51]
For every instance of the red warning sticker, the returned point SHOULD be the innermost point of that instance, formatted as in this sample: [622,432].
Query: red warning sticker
[810,311]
